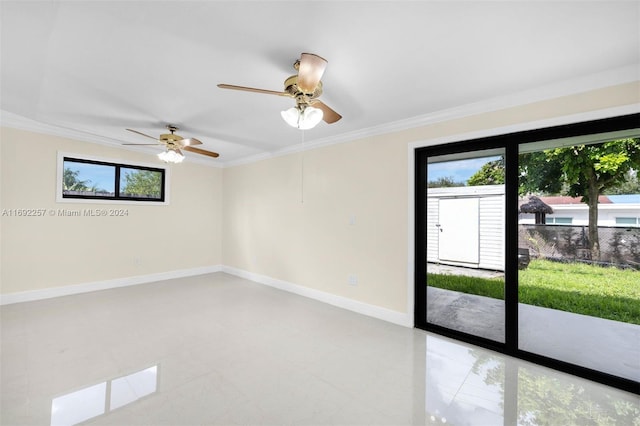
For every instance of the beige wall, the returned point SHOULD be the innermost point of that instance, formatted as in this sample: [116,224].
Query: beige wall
[270,230]
[298,229]
[55,251]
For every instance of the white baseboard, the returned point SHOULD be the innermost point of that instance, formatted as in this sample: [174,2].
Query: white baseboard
[48,293]
[384,314]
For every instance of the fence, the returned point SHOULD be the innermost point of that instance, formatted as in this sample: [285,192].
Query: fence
[618,246]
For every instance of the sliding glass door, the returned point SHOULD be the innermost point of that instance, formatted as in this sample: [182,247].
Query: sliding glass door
[529,243]
[465,242]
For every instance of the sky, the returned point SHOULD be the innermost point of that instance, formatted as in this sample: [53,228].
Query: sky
[103,177]
[459,170]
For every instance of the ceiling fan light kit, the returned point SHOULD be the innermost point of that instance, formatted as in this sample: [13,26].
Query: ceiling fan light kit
[302,118]
[171,156]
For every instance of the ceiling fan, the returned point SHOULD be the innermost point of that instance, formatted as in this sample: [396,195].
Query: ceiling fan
[305,87]
[174,144]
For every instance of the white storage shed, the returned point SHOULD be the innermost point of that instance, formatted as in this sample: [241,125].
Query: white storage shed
[465,226]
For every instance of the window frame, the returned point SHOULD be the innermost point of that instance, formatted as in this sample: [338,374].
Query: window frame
[117,164]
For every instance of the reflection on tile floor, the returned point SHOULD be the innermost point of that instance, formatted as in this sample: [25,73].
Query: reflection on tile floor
[216,349]
[95,400]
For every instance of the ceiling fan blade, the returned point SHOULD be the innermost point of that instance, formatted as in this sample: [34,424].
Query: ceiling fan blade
[310,71]
[190,142]
[252,89]
[201,151]
[140,133]
[328,115]
[142,144]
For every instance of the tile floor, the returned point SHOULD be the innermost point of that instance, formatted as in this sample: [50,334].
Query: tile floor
[216,349]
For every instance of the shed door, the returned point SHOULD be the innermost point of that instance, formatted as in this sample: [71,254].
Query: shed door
[459,234]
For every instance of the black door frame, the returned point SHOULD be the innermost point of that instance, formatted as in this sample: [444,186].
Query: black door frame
[510,142]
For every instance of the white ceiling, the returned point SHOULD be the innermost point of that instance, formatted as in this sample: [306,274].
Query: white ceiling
[95,68]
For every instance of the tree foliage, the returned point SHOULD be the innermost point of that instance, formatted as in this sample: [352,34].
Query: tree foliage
[71,182]
[539,174]
[491,173]
[444,182]
[631,185]
[596,167]
[142,183]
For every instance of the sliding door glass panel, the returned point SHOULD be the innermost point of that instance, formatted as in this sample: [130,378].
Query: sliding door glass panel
[579,241]
[465,242]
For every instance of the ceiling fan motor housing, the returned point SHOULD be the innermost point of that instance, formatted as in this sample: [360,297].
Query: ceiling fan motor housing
[170,139]
[291,87]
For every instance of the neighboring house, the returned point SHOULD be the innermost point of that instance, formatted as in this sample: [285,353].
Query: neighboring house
[613,210]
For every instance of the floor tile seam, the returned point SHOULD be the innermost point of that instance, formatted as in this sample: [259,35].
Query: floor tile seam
[180,388]
[355,395]
[245,397]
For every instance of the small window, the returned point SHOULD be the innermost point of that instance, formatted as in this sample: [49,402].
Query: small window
[628,221]
[559,220]
[100,180]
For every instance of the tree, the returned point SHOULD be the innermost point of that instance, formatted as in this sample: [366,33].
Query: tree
[491,173]
[585,171]
[142,183]
[631,185]
[444,182]
[71,183]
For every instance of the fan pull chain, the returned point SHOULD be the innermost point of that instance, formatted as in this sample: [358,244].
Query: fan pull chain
[302,170]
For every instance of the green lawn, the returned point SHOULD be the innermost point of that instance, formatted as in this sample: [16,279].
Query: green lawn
[609,293]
